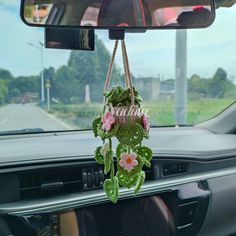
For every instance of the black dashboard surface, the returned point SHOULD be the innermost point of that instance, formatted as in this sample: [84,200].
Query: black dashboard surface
[182,142]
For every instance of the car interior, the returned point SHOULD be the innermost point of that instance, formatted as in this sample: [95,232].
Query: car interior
[53,181]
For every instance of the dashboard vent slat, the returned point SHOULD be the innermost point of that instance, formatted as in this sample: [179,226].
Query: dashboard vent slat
[50,182]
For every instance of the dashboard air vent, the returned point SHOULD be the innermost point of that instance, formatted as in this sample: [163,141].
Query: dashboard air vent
[50,182]
[54,181]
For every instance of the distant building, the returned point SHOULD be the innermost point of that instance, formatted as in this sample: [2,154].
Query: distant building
[167,88]
[26,98]
[152,89]
[31,97]
[149,88]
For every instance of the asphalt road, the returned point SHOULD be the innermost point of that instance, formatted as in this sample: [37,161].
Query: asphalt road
[18,116]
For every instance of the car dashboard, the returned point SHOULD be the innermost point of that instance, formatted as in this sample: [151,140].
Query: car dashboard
[51,185]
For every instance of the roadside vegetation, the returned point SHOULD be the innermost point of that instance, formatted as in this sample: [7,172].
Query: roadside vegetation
[161,112]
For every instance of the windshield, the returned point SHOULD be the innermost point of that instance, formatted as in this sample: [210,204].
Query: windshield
[184,77]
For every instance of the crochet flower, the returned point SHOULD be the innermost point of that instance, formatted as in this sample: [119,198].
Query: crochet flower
[128,161]
[104,149]
[146,123]
[108,120]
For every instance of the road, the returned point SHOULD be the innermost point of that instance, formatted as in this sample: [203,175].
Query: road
[18,116]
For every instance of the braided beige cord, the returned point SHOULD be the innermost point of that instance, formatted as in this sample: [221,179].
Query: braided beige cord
[128,74]
[128,77]
[125,67]
[109,73]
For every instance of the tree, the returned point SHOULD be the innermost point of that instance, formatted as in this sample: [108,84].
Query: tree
[3,92]
[65,87]
[49,73]
[221,74]
[219,84]
[5,74]
[15,92]
[5,77]
[23,84]
[197,86]
[91,68]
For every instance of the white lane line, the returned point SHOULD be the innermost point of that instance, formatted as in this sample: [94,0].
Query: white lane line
[4,121]
[57,120]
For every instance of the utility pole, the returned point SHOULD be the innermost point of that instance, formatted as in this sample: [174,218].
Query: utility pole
[87,93]
[42,73]
[40,47]
[181,77]
[48,86]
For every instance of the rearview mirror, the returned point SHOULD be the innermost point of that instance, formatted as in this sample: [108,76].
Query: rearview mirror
[112,14]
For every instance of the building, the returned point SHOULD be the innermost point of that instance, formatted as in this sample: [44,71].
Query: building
[149,88]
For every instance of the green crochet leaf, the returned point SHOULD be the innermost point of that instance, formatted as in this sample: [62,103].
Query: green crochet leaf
[138,98]
[118,90]
[123,134]
[101,132]
[126,181]
[146,135]
[108,134]
[145,155]
[114,94]
[123,96]
[136,134]
[114,130]
[98,156]
[108,93]
[140,181]
[144,151]
[96,123]
[121,148]
[111,188]
[108,161]
[145,161]
[130,134]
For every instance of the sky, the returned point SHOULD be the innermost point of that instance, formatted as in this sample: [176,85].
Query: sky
[150,54]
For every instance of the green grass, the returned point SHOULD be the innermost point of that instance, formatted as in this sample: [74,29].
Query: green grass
[202,110]
[161,112]
[79,116]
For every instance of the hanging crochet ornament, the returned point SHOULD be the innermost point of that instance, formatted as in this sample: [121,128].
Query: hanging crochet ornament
[123,119]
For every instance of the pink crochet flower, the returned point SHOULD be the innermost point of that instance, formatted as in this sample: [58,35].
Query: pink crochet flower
[108,120]
[146,123]
[128,161]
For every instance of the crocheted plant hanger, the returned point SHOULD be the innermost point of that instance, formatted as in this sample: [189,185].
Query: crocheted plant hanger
[123,119]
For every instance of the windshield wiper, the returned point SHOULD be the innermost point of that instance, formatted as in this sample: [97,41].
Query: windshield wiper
[23,131]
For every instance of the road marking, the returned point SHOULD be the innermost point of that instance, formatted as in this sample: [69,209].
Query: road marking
[57,120]
[4,121]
